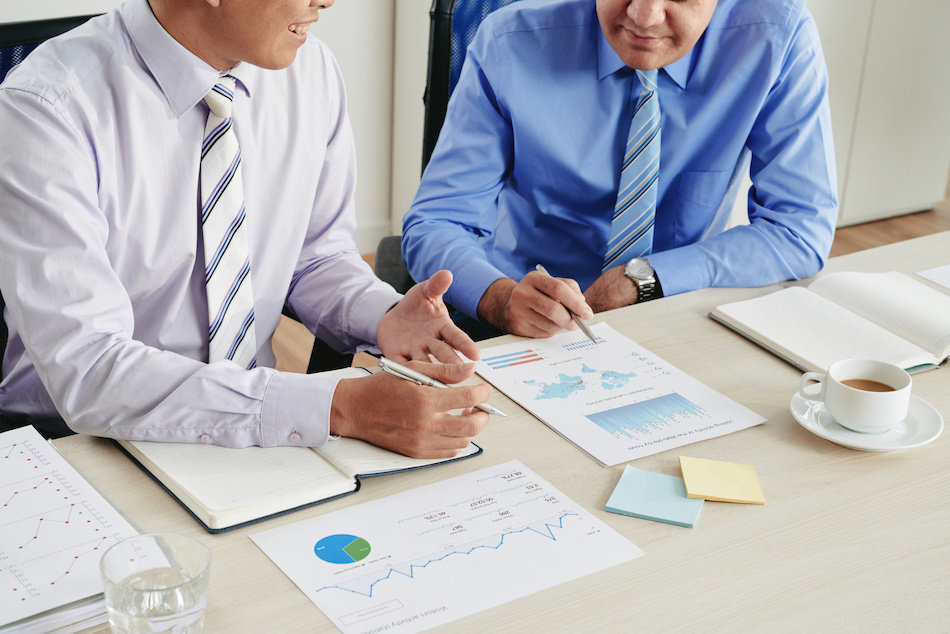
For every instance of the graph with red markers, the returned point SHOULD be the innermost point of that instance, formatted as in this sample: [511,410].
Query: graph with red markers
[54,527]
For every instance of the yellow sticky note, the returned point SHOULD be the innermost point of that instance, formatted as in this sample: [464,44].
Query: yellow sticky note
[719,481]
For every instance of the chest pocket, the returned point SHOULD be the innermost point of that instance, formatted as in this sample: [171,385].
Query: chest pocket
[696,199]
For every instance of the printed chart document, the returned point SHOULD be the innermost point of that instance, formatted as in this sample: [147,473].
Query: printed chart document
[54,527]
[417,559]
[888,316]
[613,399]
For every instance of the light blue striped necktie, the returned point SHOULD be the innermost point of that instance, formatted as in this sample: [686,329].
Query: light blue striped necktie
[631,231]
[227,264]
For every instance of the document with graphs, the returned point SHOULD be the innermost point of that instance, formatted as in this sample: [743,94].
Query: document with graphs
[431,555]
[54,527]
[613,399]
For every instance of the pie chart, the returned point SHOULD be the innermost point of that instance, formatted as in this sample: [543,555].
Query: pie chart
[341,549]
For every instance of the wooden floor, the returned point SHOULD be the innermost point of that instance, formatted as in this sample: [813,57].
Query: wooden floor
[292,341]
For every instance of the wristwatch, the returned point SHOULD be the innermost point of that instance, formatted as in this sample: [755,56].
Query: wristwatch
[641,272]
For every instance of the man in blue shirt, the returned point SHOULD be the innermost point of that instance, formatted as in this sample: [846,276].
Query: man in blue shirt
[528,163]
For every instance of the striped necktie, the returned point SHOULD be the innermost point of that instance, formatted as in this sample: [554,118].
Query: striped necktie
[227,266]
[631,230]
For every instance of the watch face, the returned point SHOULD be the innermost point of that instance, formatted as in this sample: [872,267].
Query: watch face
[639,268]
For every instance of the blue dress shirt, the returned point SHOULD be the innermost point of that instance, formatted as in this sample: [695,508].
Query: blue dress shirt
[101,261]
[527,165]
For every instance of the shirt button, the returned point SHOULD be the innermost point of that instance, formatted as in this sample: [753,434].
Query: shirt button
[295,437]
[205,438]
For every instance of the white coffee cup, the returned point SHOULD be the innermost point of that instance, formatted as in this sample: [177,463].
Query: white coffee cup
[850,393]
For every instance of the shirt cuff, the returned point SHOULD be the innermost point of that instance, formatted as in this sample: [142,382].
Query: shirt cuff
[681,269]
[296,410]
[469,283]
[366,311]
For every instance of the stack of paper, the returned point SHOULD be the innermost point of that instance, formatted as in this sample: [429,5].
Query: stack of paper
[53,530]
[654,496]
[678,500]
[720,481]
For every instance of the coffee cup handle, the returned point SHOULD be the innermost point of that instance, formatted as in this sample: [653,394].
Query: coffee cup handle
[812,395]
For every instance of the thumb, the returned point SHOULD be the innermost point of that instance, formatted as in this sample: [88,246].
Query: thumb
[436,285]
[448,373]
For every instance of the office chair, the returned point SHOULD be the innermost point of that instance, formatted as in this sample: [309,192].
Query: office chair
[452,25]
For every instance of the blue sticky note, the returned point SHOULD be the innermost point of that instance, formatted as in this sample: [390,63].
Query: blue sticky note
[654,496]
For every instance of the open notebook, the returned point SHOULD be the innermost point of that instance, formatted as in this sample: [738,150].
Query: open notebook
[225,488]
[888,316]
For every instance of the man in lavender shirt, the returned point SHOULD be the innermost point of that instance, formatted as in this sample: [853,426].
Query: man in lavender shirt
[101,263]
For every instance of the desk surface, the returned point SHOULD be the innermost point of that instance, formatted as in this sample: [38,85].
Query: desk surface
[847,540]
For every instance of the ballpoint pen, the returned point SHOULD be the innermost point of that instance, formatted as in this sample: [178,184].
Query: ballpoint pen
[418,377]
[577,320]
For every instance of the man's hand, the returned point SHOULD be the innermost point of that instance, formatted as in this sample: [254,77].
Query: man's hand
[537,306]
[420,325]
[412,419]
[612,289]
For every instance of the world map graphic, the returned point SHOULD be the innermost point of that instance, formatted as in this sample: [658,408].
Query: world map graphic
[566,385]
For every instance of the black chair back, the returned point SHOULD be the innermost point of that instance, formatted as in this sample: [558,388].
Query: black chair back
[452,25]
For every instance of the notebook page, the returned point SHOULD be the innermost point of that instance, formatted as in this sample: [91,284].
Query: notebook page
[897,302]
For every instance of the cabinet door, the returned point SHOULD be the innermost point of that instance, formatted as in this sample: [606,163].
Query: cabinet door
[900,150]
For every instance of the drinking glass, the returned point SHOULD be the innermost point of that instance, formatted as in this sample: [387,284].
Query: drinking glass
[156,583]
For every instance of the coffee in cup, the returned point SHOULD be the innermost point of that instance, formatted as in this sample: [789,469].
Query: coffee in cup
[863,395]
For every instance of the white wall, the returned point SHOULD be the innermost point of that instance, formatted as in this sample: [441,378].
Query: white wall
[412,53]
[360,34]
[889,86]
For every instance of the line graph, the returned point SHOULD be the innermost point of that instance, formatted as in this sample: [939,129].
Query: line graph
[409,569]
[54,527]
[446,550]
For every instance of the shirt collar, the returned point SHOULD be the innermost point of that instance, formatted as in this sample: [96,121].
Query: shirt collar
[608,62]
[182,76]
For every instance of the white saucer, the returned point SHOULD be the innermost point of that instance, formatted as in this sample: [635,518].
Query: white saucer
[922,425]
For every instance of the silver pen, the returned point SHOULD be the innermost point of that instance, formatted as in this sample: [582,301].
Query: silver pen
[418,377]
[577,320]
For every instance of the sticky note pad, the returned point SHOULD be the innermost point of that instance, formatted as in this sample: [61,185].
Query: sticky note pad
[653,496]
[719,481]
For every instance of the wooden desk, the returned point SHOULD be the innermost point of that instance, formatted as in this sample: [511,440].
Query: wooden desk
[847,541]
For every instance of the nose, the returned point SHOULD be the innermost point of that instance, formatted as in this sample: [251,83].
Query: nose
[321,4]
[646,13]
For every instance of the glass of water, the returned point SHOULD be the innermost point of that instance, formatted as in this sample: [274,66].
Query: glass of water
[156,583]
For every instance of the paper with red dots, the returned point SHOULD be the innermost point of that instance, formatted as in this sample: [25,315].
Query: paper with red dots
[54,527]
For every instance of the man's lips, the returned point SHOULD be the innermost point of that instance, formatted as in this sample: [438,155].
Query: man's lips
[301,28]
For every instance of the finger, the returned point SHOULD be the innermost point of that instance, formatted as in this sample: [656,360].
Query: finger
[568,293]
[532,303]
[448,373]
[459,340]
[443,352]
[418,354]
[572,283]
[527,322]
[463,426]
[459,397]
[549,315]
[436,285]
[398,358]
